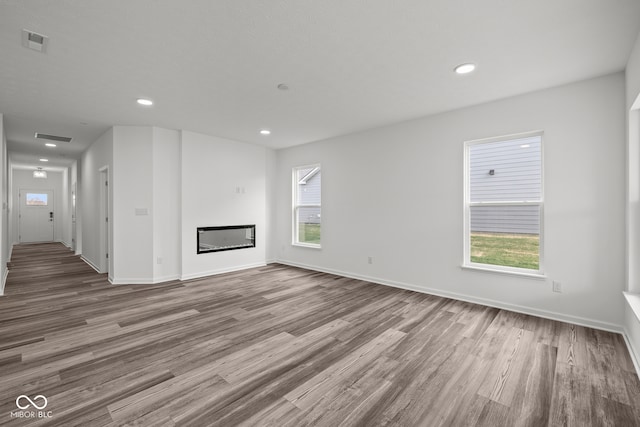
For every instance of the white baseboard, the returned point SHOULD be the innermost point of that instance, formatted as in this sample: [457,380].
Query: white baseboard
[633,352]
[138,281]
[632,327]
[4,280]
[221,271]
[153,281]
[168,278]
[90,264]
[596,324]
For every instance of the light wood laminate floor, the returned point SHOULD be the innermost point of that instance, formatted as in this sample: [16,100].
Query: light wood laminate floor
[282,346]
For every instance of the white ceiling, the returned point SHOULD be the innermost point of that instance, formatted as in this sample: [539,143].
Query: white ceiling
[213,66]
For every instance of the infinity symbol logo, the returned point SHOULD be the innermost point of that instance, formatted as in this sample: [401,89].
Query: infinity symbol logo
[31,402]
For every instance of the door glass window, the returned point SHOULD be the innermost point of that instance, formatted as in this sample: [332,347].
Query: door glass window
[37,199]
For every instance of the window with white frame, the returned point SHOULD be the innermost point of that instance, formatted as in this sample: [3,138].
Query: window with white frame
[307,205]
[504,204]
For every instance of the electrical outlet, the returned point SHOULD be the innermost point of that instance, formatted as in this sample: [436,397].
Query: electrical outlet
[557,286]
[370,260]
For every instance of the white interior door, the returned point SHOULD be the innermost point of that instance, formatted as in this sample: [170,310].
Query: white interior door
[36,216]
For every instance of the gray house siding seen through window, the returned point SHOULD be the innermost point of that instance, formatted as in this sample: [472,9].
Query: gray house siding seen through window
[309,193]
[506,171]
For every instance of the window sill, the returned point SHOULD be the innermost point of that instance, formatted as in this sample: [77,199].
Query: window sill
[306,245]
[536,276]
[634,302]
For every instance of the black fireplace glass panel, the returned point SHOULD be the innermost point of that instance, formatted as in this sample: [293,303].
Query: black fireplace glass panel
[226,238]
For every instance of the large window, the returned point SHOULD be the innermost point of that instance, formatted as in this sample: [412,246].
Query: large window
[504,204]
[307,207]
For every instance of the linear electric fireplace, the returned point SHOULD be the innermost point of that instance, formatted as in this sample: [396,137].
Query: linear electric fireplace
[227,238]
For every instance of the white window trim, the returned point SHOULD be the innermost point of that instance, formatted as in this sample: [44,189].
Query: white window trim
[294,219]
[509,271]
[491,268]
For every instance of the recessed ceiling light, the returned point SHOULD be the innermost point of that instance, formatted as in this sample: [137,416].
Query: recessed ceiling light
[44,160]
[145,102]
[465,68]
[265,132]
[48,144]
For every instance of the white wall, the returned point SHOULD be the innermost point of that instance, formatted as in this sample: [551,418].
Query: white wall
[97,156]
[271,204]
[132,186]
[632,324]
[166,183]
[145,205]
[23,179]
[396,194]
[5,242]
[167,255]
[633,169]
[223,183]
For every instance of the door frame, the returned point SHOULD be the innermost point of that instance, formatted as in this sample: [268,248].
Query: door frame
[74,231]
[105,252]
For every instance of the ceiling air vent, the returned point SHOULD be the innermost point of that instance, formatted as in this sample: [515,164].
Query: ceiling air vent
[53,137]
[34,41]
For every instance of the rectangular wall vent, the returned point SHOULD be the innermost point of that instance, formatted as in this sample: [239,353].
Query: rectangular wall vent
[53,137]
[34,41]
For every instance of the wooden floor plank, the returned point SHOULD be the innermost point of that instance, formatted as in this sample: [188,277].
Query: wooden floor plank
[283,346]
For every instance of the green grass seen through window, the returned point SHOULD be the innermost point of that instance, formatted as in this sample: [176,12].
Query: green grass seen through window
[309,233]
[510,250]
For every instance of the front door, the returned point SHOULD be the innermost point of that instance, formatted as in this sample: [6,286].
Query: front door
[36,216]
